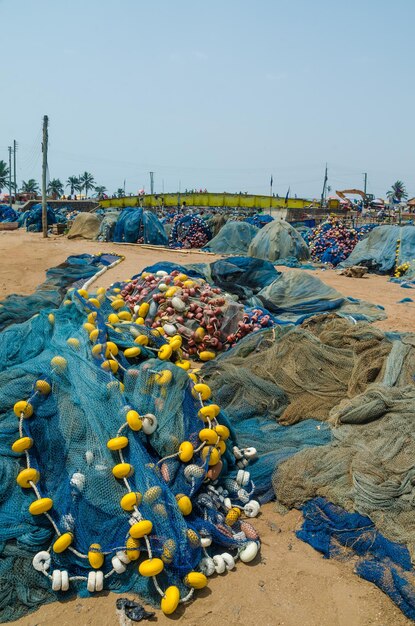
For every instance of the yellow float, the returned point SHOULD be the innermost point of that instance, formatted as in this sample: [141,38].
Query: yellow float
[132,548]
[186,451]
[130,500]
[134,420]
[165,352]
[43,387]
[41,506]
[95,556]
[62,543]
[202,390]
[141,528]
[197,580]
[122,470]
[171,600]
[22,444]
[26,476]
[117,443]
[131,353]
[141,340]
[23,408]
[151,567]
[184,503]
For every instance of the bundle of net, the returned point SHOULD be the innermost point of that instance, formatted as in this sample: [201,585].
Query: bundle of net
[259,220]
[118,470]
[332,241]
[198,319]
[189,231]
[7,214]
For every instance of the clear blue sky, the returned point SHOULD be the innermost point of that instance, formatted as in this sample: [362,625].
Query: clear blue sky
[216,94]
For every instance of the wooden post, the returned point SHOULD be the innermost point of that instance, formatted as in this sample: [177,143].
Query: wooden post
[44,169]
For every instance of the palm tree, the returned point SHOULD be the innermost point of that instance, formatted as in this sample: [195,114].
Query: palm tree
[4,174]
[30,186]
[72,183]
[55,188]
[100,190]
[397,192]
[120,193]
[87,181]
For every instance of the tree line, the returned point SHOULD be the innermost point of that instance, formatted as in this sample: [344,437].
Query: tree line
[84,183]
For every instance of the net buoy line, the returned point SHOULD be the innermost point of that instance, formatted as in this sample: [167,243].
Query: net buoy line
[199,457]
[164,248]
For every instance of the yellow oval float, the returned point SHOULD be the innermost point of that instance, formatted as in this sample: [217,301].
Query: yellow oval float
[184,503]
[139,529]
[130,353]
[117,443]
[186,451]
[95,556]
[41,506]
[197,580]
[122,470]
[22,444]
[134,420]
[26,476]
[62,542]
[23,408]
[203,390]
[151,567]
[171,600]
[42,386]
[132,548]
[206,355]
[130,500]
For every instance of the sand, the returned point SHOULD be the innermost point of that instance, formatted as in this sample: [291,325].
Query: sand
[291,584]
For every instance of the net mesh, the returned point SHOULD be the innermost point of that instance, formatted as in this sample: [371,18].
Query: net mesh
[70,427]
[278,240]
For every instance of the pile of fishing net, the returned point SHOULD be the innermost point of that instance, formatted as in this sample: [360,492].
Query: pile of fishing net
[278,240]
[207,319]
[386,248]
[330,407]
[85,226]
[16,309]
[233,238]
[107,226]
[215,223]
[7,214]
[32,219]
[259,220]
[290,296]
[332,241]
[189,231]
[119,471]
[135,225]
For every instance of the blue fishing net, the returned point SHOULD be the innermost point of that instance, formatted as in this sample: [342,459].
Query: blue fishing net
[7,214]
[336,533]
[33,218]
[259,219]
[85,404]
[135,225]
[49,295]
[385,248]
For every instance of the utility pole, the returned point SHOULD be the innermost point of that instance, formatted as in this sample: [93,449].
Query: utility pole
[14,164]
[10,175]
[151,183]
[323,193]
[44,169]
[365,179]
